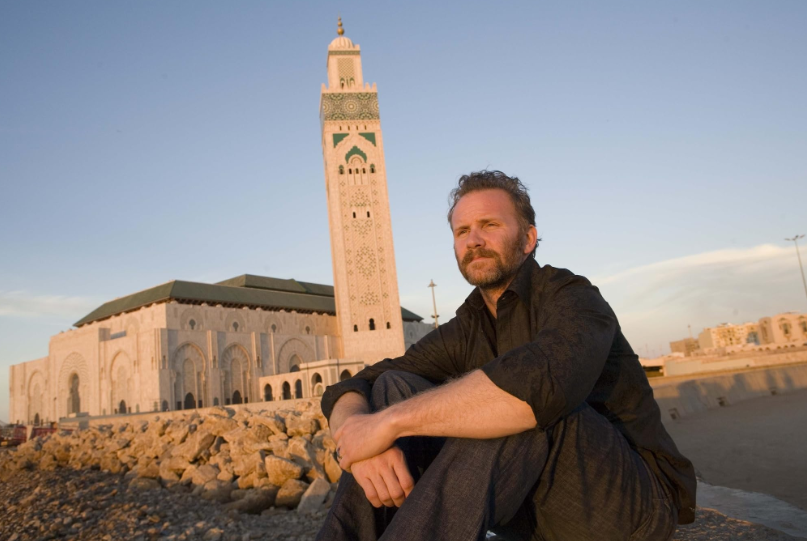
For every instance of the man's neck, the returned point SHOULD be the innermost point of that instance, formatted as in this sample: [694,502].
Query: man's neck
[491,295]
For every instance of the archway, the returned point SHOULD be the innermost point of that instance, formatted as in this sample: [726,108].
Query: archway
[74,402]
[267,393]
[122,407]
[316,385]
[344,375]
[165,405]
[36,420]
[237,397]
[298,389]
[190,401]
[286,391]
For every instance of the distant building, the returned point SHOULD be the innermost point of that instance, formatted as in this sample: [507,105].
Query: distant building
[686,346]
[726,335]
[789,328]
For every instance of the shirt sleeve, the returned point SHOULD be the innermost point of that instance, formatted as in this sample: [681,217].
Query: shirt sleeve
[556,371]
[435,357]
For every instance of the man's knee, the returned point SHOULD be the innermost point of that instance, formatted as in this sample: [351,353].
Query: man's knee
[395,386]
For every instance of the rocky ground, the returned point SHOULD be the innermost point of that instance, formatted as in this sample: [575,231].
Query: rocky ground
[224,475]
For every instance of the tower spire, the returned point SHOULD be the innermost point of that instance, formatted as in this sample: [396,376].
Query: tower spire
[340,30]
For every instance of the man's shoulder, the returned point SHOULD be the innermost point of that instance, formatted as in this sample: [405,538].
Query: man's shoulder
[551,277]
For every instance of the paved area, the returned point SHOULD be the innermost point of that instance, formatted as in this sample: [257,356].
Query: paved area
[759,446]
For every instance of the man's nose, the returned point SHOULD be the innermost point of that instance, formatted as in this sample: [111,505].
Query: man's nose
[474,239]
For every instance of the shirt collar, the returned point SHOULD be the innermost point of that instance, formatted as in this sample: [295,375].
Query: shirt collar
[521,285]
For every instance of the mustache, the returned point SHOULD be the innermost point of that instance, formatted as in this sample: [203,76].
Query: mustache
[479,252]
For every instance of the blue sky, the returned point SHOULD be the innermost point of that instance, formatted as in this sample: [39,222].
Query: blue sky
[665,147]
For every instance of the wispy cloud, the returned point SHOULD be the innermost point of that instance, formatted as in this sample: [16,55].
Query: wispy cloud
[26,305]
[656,302]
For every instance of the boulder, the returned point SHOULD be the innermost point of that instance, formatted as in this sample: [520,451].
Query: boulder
[291,493]
[332,469]
[279,470]
[217,491]
[204,474]
[314,496]
[301,425]
[144,483]
[248,463]
[254,501]
[200,441]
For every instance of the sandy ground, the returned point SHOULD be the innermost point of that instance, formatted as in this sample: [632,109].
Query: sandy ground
[759,445]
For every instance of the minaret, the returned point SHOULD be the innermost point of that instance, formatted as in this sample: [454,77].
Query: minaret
[368,308]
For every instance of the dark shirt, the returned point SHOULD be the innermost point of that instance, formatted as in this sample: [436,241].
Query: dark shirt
[554,344]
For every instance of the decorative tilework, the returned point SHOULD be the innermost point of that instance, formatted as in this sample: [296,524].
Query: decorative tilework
[349,106]
[344,53]
[337,138]
[370,136]
[355,151]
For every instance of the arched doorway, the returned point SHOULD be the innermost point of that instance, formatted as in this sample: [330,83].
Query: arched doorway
[190,401]
[267,393]
[165,405]
[316,385]
[344,375]
[237,397]
[122,407]
[286,391]
[74,401]
[298,389]
[36,420]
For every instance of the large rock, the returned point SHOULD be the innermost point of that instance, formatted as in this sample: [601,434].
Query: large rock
[314,496]
[301,425]
[217,491]
[204,474]
[332,469]
[197,443]
[279,470]
[248,463]
[144,483]
[272,422]
[291,493]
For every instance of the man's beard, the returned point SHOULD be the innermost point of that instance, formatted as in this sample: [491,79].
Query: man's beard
[505,265]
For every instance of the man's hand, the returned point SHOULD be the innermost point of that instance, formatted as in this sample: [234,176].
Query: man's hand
[363,436]
[384,478]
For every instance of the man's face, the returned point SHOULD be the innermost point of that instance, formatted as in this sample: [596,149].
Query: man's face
[488,242]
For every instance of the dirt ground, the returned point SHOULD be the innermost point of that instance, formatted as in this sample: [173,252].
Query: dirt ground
[759,445]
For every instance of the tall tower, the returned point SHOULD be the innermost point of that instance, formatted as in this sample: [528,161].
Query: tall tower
[368,308]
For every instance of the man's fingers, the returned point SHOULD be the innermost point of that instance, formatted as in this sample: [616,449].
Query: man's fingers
[396,493]
[369,490]
[404,477]
[382,490]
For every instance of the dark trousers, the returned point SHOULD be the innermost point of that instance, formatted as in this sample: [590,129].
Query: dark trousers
[579,480]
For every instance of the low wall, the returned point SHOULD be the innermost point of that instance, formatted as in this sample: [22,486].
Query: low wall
[85,422]
[680,397]
[738,361]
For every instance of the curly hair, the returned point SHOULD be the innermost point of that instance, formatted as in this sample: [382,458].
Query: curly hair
[496,180]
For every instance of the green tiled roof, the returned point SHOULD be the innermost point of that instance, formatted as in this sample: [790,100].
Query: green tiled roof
[245,290]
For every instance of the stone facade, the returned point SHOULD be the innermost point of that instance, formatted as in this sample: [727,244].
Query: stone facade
[185,345]
[789,328]
[726,335]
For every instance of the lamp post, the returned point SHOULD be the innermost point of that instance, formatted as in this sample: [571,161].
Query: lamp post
[434,302]
[795,240]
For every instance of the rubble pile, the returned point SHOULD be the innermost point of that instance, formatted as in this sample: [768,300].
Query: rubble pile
[247,461]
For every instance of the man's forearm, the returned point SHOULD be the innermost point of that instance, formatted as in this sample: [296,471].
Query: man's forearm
[347,405]
[471,407]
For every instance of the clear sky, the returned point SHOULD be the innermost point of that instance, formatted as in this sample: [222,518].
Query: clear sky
[664,144]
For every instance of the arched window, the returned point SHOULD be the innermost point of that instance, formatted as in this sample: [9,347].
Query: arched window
[274,327]
[372,324]
[237,397]
[344,375]
[74,401]
[190,401]
[372,168]
[341,169]
[286,391]
[122,406]
[165,405]
[216,401]
[192,323]
[235,326]
[368,213]
[388,326]
[354,214]
[36,420]
[294,363]
[363,171]
[298,389]
[308,330]
[350,171]
[355,328]
[267,393]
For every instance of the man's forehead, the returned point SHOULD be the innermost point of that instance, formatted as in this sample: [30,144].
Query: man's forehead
[482,203]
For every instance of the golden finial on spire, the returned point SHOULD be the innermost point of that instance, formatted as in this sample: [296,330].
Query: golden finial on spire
[340,30]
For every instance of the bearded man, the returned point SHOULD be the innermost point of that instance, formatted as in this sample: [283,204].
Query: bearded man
[528,414]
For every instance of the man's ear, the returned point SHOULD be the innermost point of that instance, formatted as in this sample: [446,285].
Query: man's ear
[532,239]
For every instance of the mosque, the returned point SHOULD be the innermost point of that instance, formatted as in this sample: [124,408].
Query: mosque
[183,345]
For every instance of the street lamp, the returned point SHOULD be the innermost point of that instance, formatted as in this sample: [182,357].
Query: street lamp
[434,303]
[795,240]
